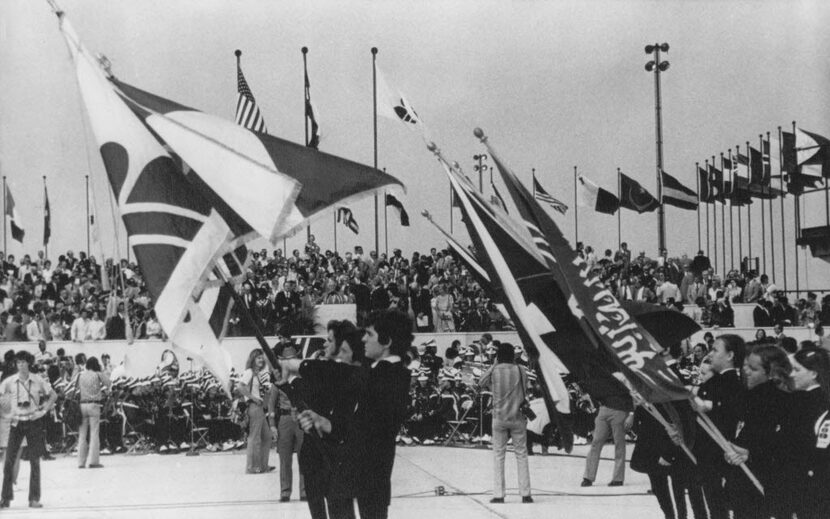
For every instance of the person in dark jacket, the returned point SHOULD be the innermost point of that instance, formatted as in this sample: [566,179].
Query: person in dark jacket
[722,399]
[380,411]
[803,457]
[766,371]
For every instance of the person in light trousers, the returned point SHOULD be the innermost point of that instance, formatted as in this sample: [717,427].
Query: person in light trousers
[615,417]
[92,384]
[508,382]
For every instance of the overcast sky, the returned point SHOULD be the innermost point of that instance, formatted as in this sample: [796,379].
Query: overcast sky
[554,84]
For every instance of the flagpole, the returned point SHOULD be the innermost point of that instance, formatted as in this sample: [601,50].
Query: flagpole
[5,210]
[375,130]
[619,213]
[771,227]
[797,211]
[722,215]
[714,215]
[385,222]
[749,207]
[45,201]
[451,206]
[697,176]
[335,230]
[86,179]
[304,50]
[731,213]
[781,180]
[740,228]
[576,212]
[763,210]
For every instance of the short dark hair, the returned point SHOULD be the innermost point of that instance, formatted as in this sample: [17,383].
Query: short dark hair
[394,327]
[354,338]
[505,353]
[92,364]
[734,344]
[25,356]
[340,329]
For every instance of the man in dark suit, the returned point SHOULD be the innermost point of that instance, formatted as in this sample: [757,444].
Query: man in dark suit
[287,302]
[380,410]
[761,314]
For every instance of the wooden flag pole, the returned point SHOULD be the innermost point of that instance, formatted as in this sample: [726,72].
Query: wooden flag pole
[712,430]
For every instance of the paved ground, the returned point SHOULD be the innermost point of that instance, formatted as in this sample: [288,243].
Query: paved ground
[215,486]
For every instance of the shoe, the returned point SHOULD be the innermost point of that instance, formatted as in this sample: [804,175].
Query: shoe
[527,499]
[285,499]
[81,466]
[35,504]
[615,484]
[586,482]
[239,444]
[271,468]
[47,457]
[4,503]
[163,449]
[106,452]
[96,466]
[184,446]
[228,445]
[497,500]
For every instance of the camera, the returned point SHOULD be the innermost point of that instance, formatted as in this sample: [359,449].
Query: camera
[24,405]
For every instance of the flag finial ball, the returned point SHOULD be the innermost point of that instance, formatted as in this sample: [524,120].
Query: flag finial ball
[237,53]
[479,133]
[305,50]
[431,146]
[374,50]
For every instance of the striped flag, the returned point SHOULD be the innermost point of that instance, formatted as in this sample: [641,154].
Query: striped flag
[247,112]
[344,216]
[676,194]
[543,196]
[14,218]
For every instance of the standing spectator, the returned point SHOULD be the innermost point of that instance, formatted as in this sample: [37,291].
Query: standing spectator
[26,390]
[253,386]
[91,385]
[43,357]
[444,304]
[509,383]
[287,432]
[615,417]
[97,329]
[700,264]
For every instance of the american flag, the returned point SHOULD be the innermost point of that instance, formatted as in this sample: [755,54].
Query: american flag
[247,112]
[543,196]
[344,216]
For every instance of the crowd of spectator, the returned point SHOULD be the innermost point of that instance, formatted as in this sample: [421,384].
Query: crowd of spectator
[78,299]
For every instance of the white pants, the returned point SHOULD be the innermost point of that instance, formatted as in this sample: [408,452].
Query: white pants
[518,431]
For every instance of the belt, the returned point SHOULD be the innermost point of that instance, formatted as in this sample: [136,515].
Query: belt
[90,401]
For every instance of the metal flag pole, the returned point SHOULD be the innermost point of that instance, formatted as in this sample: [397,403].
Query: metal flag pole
[731,213]
[697,210]
[385,222]
[5,212]
[86,178]
[722,214]
[304,50]
[763,209]
[749,208]
[45,214]
[771,226]
[576,212]
[452,201]
[375,132]
[740,229]
[714,215]
[797,219]
[781,180]
[619,212]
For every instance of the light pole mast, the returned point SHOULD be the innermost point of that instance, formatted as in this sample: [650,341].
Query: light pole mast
[657,66]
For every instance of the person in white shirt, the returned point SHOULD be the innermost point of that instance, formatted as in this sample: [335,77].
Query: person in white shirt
[80,327]
[96,329]
[666,289]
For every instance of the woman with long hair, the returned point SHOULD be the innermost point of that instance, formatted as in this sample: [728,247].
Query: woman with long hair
[766,371]
[803,459]
[254,386]
[92,385]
